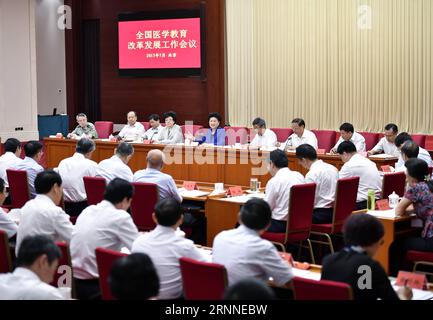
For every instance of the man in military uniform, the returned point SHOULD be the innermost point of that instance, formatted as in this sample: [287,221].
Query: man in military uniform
[84,129]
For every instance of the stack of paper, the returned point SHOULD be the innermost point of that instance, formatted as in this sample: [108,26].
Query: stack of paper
[192,193]
[382,213]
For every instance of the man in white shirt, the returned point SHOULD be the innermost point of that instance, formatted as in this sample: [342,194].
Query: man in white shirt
[408,150]
[355,165]
[171,133]
[325,176]
[37,263]
[165,248]
[347,132]
[30,164]
[245,254]
[387,145]
[10,158]
[264,137]
[300,136]
[423,154]
[6,223]
[42,215]
[106,225]
[278,189]
[72,170]
[133,130]
[153,132]
[117,165]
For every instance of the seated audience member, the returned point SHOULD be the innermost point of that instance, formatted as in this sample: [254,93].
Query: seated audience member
[408,150]
[249,289]
[363,235]
[6,223]
[418,199]
[117,165]
[423,154]
[278,189]
[134,277]
[36,263]
[10,158]
[165,247]
[355,165]
[42,215]
[264,137]
[325,176]
[133,130]
[106,225]
[245,254]
[348,133]
[300,136]
[387,145]
[72,170]
[34,152]
[215,135]
[153,132]
[171,133]
[84,129]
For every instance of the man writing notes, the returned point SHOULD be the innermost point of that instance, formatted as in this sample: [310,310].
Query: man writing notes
[387,145]
[264,137]
[300,136]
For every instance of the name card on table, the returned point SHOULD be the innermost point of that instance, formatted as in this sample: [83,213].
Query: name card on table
[321,151]
[190,185]
[235,191]
[412,280]
[386,169]
[147,141]
[382,204]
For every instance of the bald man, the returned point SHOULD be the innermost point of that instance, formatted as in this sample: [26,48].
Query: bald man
[133,130]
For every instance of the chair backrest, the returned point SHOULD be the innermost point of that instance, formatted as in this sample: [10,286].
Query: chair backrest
[371,139]
[143,205]
[419,139]
[325,139]
[5,253]
[428,143]
[345,201]
[104,129]
[191,128]
[236,135]
[104,260]
[18,187]
[307,289]
[65,260]
[393,182]
[202,280]
[282,133]
[95,188]
[146,125]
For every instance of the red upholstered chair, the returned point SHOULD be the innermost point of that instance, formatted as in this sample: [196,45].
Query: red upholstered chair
[419,139]
[105,259]
[5,253]
[143,205]
[428,143]
[371,139]
[236,135]
[419,258]
[325,139]
[202,280]
[393,182]
[307,289]
[95,188]
[191,128]
[146,125]
[299,218]
[65,260]
[345,201]
[282,133]
[18,187]
[104,129]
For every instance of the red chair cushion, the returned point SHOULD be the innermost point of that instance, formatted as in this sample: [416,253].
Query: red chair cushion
[371,139]
[324,228]
[325,139]
[307,289]
[104,129]
[414,256]
[274,237]
[282,133]
[419,139]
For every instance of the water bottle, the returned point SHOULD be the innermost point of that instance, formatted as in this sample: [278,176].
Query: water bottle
[371,200]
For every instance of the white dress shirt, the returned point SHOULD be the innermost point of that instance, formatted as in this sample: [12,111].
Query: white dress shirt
[308,137]
[423,154]
[386,147]
[24,284]
[267,139]
[7,161]
[278,191]
[357,139]
[100,225]
[114,168]
[165,248]
[153,134]
[133,132]
[41,216]
[166,185]
[72,170]
[7,225]
[171,135]
[366,170]
[325,176]
[32,168]
[245,254]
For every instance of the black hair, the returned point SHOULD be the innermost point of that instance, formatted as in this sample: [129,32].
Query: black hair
[12,145]
[348,127]
[32,247]
[214,115]
[249,289]
[402,138]
[124,149]
[346,146]
[2,185]
[117,190]
[259,122]
[300,122]
[306,151]
[418,169]
[410,149]
[32,148]
[81,115]
[134,277]
[46,180]
[168,212]
[170,114]
[391,126]
[256,214]
[279,158]
[154,117]
[362,230]
[85,146]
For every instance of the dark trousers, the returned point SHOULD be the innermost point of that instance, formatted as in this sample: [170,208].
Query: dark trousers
[197,223]
[75,208]
[87,289]
[361,205]
[277,226]
[322,215]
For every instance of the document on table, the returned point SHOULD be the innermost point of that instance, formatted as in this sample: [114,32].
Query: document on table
[192,193]
[306,274]
[381,156]
[244,198]
[382,213]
